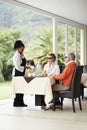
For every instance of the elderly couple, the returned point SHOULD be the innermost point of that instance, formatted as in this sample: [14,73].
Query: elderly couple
[51,68]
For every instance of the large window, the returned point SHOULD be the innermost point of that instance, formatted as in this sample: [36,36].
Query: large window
[31,27]
[68,41]
[36,31]
[61,43]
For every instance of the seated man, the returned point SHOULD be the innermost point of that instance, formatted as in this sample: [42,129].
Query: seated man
[65,77]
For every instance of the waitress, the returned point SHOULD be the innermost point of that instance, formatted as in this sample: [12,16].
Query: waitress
[19,62]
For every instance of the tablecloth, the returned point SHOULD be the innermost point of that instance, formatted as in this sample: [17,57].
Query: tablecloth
[39,86]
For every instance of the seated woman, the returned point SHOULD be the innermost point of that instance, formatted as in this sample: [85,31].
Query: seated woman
[51,67]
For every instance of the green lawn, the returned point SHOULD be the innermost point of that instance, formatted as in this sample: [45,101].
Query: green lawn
[5,90]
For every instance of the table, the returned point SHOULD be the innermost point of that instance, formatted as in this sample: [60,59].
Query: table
[84,79]
[83,84]
[36,86]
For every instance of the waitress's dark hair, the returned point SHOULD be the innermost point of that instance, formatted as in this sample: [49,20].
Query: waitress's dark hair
[18,44]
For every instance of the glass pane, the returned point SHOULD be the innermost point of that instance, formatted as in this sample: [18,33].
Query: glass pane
[70,39]
[61,43]
[78,45]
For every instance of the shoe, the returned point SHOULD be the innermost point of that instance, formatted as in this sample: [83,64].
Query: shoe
[19,105]
[58,104]
[24,105]
[47,107]
[16,104]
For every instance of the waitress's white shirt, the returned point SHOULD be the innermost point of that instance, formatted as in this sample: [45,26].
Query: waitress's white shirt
[53,69]
[17,60]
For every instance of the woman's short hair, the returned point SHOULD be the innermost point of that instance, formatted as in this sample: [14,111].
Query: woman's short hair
[18,44]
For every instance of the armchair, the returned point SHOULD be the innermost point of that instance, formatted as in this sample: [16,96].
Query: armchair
[74,92]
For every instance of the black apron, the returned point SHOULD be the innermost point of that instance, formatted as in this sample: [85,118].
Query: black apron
[17,72]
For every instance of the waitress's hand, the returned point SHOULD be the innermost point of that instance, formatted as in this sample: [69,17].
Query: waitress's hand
[27,67]
[29,60]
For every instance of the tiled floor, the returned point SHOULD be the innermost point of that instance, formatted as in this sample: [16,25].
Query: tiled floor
[14,118]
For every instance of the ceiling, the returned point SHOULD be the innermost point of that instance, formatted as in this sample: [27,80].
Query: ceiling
[71,9]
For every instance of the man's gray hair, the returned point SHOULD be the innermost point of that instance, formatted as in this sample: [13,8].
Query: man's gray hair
[71,56]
